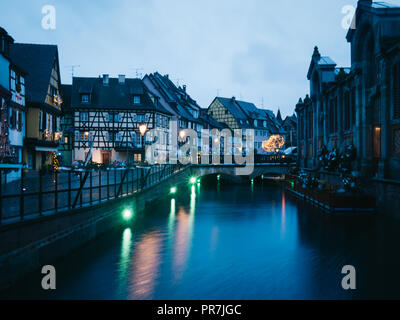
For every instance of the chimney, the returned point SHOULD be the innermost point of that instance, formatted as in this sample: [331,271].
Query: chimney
[184,88]
[121,79]
[106,78]
[5,41]
[233,98]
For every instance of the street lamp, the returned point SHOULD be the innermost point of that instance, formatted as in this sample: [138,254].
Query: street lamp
[143,130]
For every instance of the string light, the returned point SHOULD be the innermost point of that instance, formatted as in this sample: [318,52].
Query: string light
[273,144]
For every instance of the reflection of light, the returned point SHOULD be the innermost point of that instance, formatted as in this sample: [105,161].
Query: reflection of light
[146,263]
[126,243]
[183,238]
[193,201]
[283,214]
[171,218]
[127,214]
[124,261]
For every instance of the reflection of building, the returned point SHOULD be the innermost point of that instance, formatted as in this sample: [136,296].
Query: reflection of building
[43,101]
[12,99]
[108,116]
[244,115]
[359,105]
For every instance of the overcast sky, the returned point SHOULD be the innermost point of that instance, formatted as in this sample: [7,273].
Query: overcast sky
[255,50]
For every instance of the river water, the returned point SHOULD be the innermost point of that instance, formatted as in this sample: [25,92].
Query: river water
[220,241]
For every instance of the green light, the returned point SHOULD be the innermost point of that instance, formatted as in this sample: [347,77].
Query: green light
[262,177]
[218,177]
[127,214]
[252,180]
[193,180]
[173,190]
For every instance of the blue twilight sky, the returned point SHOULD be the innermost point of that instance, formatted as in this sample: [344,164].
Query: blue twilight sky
[256,50]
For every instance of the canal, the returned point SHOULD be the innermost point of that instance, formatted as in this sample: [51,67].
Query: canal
[221,241]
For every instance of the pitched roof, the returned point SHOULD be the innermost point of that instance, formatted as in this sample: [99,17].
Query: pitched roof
[230,104]
[114,95]
[38,61]
[178,100]
[66,92]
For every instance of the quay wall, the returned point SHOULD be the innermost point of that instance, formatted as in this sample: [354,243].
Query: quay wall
[28,246]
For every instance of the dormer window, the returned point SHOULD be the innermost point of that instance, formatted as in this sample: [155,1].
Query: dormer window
[85,98]
[136,99]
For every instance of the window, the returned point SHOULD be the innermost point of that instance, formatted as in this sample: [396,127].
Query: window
[53,91]
[42,121]
[347,111]
[84,116]
[396,91]
[333,116]
[134,117]
[84,136]
[113,117]
[136,99]
[13,119]
[58,127]
[353,106]
[19,121]
[396,142]
[85,98]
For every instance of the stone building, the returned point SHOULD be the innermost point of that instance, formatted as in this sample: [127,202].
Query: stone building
[359,105]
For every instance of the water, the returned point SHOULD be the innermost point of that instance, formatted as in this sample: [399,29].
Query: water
[230,242]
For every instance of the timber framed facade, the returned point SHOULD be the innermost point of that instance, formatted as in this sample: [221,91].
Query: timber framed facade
[112,118]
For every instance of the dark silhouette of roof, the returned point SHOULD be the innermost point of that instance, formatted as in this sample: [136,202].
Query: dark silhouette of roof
[38,61]
[114,95]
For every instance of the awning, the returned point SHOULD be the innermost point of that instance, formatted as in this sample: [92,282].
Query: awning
[46,149]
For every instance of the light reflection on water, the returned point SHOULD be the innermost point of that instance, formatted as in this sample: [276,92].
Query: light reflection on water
[231,242]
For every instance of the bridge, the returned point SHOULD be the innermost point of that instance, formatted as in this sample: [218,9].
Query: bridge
[231,170]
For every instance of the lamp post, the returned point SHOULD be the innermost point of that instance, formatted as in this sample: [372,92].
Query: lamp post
[143,130]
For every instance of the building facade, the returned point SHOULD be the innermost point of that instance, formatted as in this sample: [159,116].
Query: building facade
[43,101]
[243,115]
[360,105]
[13,110]
[112,118]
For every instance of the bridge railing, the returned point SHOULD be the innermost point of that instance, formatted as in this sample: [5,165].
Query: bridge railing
[37,194]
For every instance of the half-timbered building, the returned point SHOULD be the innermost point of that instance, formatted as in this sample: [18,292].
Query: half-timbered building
[243,115]
[43,101]
[111,119]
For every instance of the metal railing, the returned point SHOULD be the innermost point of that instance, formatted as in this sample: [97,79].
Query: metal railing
[37,194]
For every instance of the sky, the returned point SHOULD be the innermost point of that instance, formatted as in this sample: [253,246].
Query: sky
[256,50]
